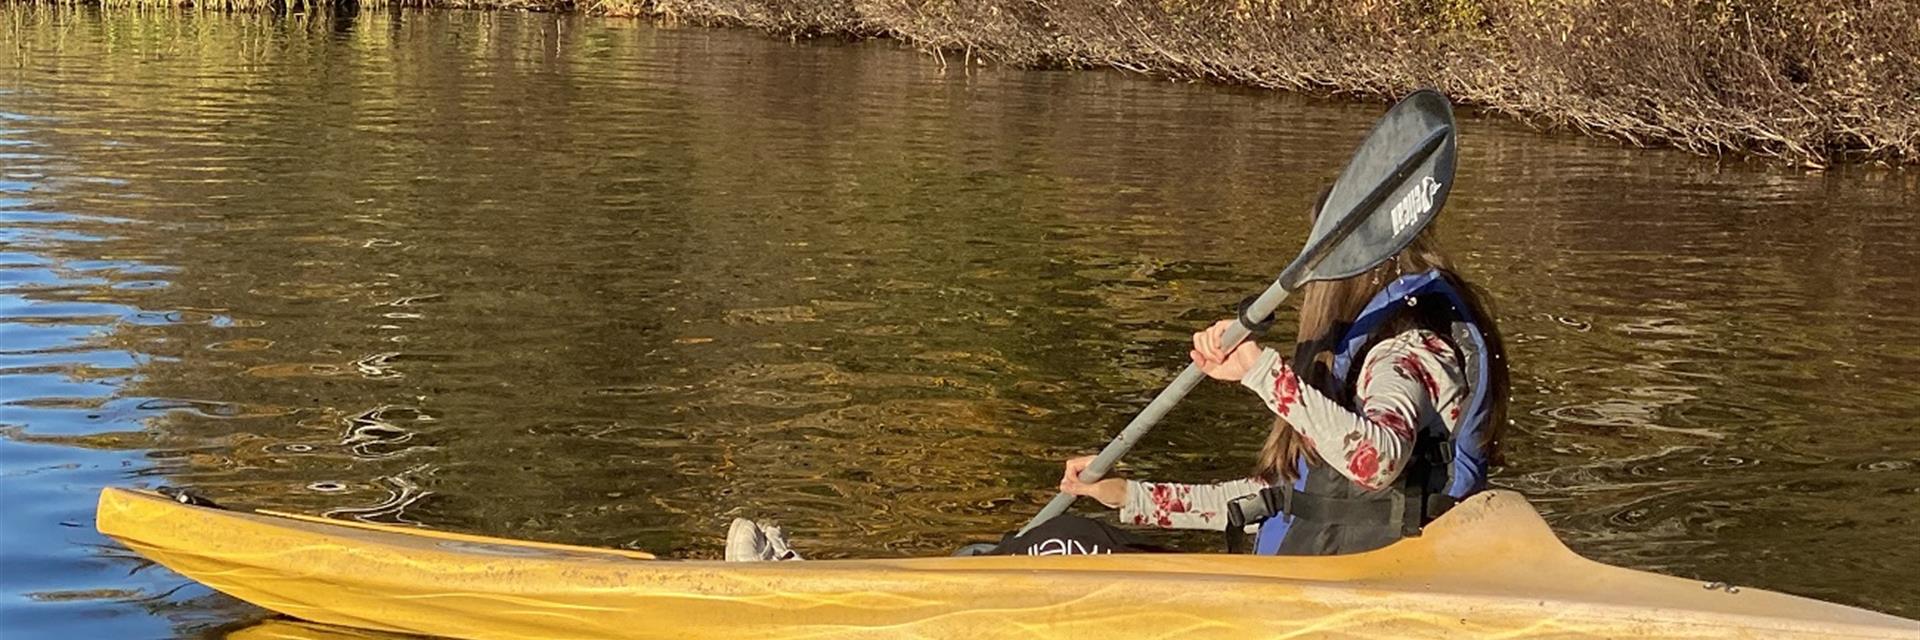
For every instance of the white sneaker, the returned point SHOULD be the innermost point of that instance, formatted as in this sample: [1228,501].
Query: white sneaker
[749,542]
[777,543]
[745,542]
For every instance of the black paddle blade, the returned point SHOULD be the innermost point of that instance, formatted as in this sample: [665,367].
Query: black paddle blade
[1392,188]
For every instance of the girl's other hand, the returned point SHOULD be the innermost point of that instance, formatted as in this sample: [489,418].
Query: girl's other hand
[1218,364]
[1109,491]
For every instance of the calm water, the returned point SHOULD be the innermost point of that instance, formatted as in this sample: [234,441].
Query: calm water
[604,283]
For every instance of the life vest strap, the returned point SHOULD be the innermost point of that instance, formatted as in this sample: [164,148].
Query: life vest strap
[1283,499]
[1392,510]
[1438,505]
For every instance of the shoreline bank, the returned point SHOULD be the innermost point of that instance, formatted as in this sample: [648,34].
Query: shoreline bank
[1814,84]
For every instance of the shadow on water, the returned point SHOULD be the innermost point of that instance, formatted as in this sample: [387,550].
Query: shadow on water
[603,283]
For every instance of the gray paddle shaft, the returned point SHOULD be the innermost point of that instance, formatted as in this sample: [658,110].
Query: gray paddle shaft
[1290,279]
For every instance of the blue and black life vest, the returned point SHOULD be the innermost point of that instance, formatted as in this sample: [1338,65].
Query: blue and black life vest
[1325,513]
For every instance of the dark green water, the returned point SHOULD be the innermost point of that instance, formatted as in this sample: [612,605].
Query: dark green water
[604,283]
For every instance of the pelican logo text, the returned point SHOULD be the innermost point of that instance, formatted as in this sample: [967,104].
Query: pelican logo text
[1416,203]
[1059,547]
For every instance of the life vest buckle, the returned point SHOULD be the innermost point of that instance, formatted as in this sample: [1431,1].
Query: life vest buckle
[1258,507]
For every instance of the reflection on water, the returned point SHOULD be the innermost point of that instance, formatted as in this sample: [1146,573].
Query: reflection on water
[66,423]
[603,283]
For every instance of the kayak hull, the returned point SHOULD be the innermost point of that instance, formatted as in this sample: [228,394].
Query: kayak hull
[1491,567]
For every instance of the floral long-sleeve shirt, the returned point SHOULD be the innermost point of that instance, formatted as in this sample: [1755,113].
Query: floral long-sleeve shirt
[1412,380]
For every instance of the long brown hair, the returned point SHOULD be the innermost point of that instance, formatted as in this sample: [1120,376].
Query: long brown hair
[1329,307]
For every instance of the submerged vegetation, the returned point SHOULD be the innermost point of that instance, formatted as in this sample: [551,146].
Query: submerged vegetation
[1810,81]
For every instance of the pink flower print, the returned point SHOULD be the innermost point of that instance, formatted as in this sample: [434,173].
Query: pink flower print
[1168,500]
[1392,421]
[1286,391]
[1364,462]
[1408,366]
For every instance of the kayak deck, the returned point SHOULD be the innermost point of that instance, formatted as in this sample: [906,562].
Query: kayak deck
[1490,567]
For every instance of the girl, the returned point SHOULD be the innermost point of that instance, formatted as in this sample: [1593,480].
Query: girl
[1390,411]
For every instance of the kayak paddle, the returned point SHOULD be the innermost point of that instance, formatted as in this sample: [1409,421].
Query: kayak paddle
[1391,189]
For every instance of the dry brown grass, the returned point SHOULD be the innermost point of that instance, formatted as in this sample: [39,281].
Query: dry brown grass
[1812,82]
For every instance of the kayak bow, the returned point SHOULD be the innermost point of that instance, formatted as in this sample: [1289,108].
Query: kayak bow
[1489,567]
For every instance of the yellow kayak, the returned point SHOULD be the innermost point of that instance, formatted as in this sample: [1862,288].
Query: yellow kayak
[1491,567]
